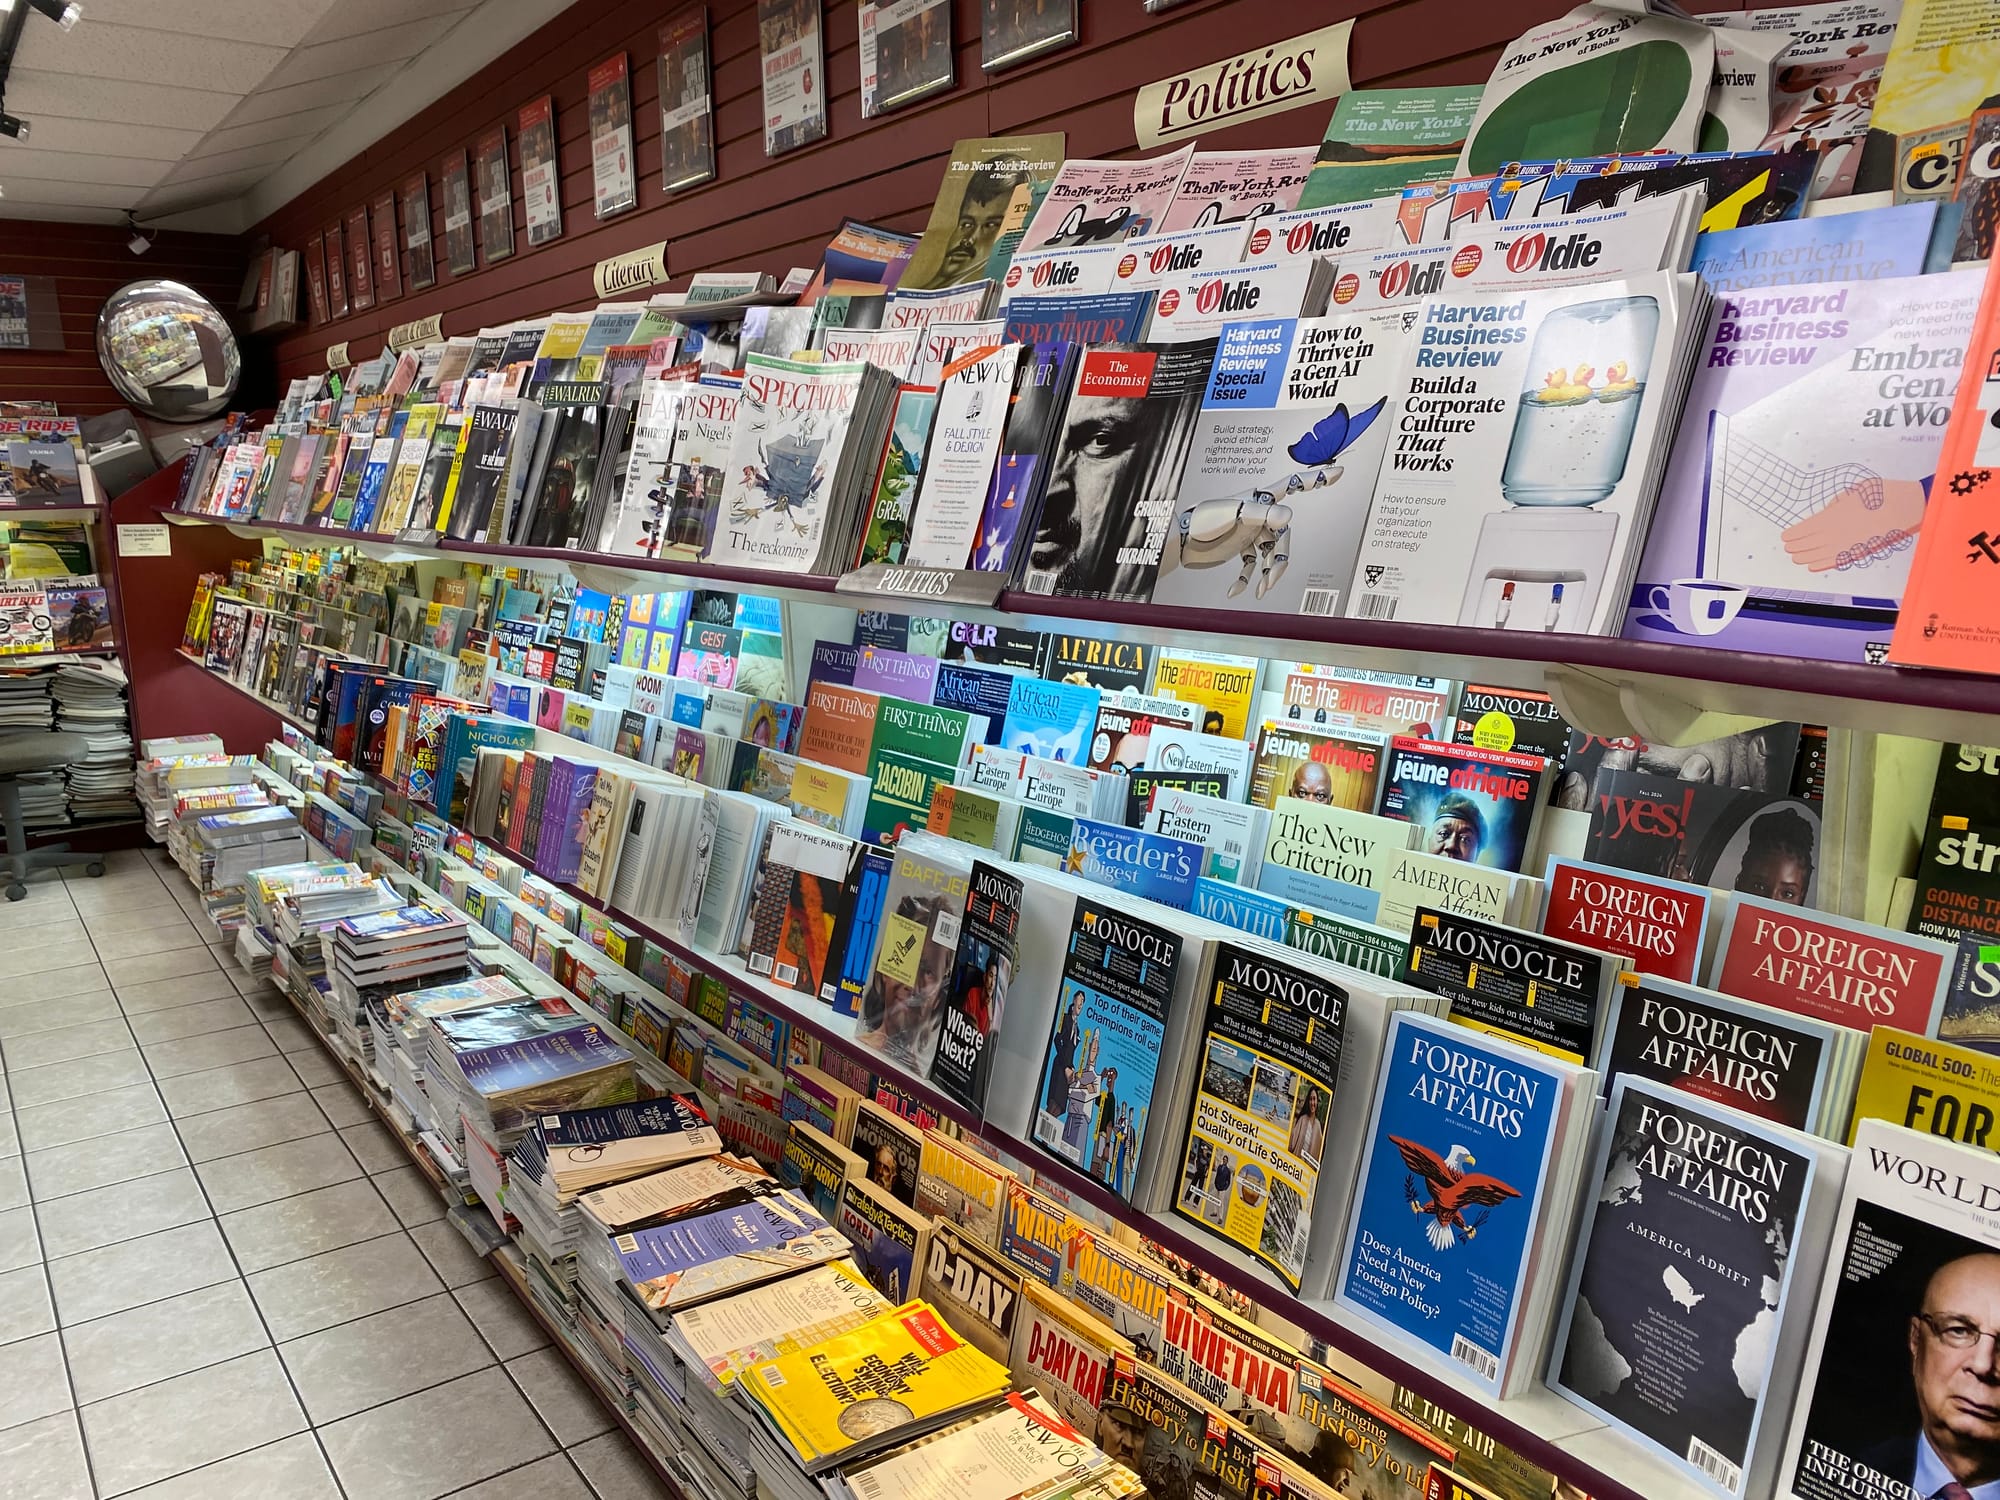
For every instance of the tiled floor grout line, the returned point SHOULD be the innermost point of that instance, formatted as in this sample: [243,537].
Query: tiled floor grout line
[270,1339]
[223,962]
[41,1251]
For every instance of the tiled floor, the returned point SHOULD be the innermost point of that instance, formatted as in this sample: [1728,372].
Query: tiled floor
[220,1278]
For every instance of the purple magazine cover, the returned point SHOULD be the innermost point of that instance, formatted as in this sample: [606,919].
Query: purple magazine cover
[1802,469]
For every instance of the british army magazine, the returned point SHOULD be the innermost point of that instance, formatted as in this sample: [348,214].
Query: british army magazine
[1530,433]
[1285,453]
[1780,529]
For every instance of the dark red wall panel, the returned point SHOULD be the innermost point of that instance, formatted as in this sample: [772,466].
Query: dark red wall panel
[89,262]
[774,213]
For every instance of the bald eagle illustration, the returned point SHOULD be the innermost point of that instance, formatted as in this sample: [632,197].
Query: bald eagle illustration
[1451,1189]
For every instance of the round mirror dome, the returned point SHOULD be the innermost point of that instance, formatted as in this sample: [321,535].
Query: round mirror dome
[168,350]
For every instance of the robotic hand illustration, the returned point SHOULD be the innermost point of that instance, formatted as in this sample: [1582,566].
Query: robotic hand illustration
[1256,529]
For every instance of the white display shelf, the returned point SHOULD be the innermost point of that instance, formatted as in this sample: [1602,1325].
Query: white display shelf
[1537,1424]
[1609,686]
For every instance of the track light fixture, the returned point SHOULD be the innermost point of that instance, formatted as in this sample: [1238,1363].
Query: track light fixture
[65,13]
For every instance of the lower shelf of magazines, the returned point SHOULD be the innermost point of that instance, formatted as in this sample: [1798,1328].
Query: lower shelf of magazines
[1612,686]
[487,1241]
[1538,1425]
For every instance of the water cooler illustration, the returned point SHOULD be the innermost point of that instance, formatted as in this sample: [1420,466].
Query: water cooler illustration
[1540,564]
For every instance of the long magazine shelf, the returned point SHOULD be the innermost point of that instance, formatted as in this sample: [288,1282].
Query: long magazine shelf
[1607,684]
[1539,1425]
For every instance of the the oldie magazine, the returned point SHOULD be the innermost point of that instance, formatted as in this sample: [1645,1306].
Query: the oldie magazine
[1686,1269]
[1779,529]
[792,422]
[794,63]
[541,177]
[1275,491]
[1578,249]
[1098,202]
[1114,485]
[1593,81]
[1270,1059]
[613,172]
[984,180]
[1517,489]
[687,108]
[1230,187]
[1911,1248]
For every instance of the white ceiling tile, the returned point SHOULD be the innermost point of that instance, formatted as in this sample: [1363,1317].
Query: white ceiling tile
[59,213]
[32,94]
[276,23]
[378,50]
[273,104]
[296,129]
[353,17]
[103,138]
[78,194]
[240,160]
[141,55]
[18,160]
[177,196]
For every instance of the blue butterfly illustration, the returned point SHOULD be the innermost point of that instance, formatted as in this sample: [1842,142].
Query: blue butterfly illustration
[1334,434]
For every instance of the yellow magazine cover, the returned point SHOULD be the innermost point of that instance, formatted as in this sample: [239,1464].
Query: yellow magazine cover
[1224,686]
[885,1382]
[1935,1087]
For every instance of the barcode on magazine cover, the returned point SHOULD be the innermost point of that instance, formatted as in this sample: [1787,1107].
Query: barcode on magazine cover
[1320,602]
[866,1485]
[787,973]
[760,963]
[1375,607]
[1467,1353]
[1714,1465]
[628,1244]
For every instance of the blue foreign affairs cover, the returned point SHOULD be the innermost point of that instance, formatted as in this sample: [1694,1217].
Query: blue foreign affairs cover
[1458,1155]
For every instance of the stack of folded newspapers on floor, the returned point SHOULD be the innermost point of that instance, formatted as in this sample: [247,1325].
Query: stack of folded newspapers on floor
[572,1152]
[89,699]
[385,953]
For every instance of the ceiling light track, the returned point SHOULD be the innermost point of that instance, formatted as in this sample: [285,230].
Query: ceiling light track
[13,20]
